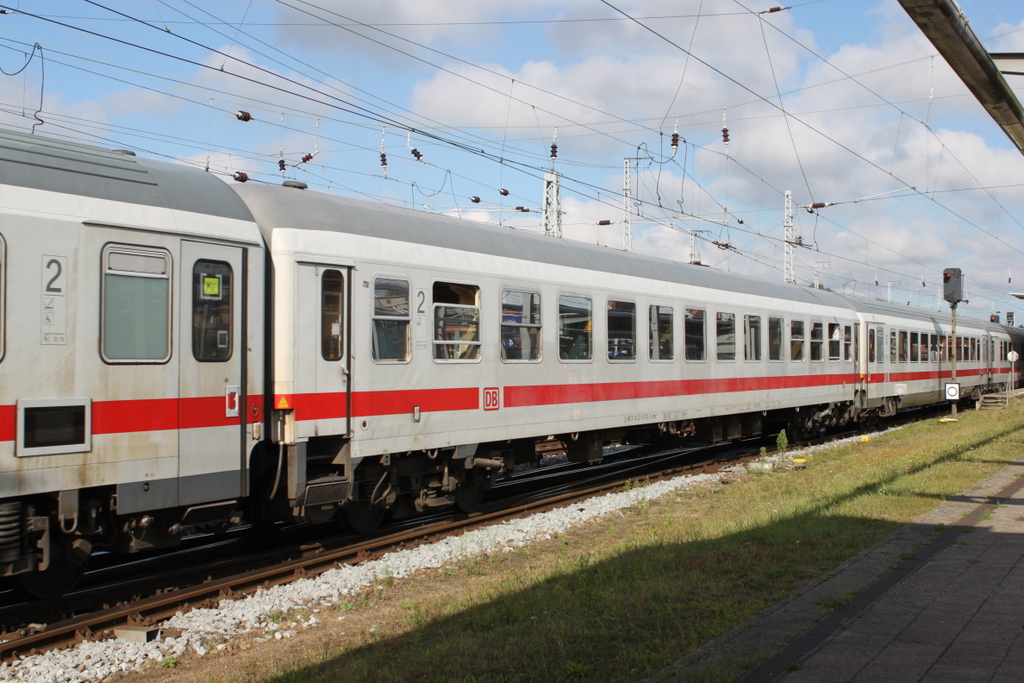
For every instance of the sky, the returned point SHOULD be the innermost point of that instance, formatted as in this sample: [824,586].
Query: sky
[841,102]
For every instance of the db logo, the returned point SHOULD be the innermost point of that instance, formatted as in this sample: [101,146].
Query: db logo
[491,401]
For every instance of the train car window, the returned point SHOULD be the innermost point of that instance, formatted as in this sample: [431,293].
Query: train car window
[796,340]
[725,331]
[136,308]
[904,346]
[943,348]
[871,345]
[817,341]
[774,338]
[835,341]
[974,349]
[751,337]
[391,320]
[3,298]
[621,330]
[924,348]
[331,304]
[915,347]
[574,327]
[212,290]
[520,326]
[892,346]
[456,322]
[694,334]
[849,339]
[660,342]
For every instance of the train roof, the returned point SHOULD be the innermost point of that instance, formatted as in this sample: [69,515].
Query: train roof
[284,207]
[44,163]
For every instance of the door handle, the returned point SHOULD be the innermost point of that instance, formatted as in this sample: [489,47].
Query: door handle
[231,400]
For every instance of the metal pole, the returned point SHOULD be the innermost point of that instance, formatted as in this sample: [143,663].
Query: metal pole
[956,347]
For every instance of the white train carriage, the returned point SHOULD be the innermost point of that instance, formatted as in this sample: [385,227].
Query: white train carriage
[131,365]
[178,353]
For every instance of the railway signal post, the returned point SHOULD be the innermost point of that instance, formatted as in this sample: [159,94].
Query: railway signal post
[953,292]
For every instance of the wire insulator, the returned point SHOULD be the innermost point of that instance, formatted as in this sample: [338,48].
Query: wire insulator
[675,139]
[307,157]
[604,222]
[818,205]
[240,176]
[725,135]
[522,209]
[503,192]
[774,9]
[475,199]
[280,164]
[416,153]
[554,150]
[243,116]
[383,159]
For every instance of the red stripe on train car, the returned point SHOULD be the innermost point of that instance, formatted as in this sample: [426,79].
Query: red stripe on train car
[8,423]
[329,406]
[117,417]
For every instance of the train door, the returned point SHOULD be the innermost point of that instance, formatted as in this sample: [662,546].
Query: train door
[322,350]
[211,461]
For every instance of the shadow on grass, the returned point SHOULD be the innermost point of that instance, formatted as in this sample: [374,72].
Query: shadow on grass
[626,617]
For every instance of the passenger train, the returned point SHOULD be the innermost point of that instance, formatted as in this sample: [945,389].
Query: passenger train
[178,353]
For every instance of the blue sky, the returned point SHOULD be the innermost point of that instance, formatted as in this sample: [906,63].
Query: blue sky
[840,101]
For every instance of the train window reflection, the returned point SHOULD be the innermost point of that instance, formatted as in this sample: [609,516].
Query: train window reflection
[390,319]
[212,292]
[135,320]
[456,322]
[660,325]
[775,338]
[725,331]
[834,341]
[574,327]
[331,305]
[796,340]
[694,334]
[817,340]
[621,330]
[520,326]
[751,337]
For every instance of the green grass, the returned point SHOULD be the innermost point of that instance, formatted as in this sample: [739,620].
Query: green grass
[624,598]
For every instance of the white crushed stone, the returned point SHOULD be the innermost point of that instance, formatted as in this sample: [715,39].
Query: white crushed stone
[272,612]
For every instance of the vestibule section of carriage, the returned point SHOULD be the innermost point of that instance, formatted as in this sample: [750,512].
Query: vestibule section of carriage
[130,365]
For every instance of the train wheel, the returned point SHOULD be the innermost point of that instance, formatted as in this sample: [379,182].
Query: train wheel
[362,518]
[469,495]
[68,559]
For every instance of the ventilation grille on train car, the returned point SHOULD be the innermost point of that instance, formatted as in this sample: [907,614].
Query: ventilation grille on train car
[331,492]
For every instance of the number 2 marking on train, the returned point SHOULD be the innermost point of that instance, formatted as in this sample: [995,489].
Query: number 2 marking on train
[422,296]
[50,287]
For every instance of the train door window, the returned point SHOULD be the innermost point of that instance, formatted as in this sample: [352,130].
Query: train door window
[796,340]
[835,341]
[974,349]
[331,304]
[849,339]
[751,337]
[915,347]
[520,325]
[880,341]
[391,320]
[775,338]
[574,327]
[871,345]
[456,322]
[892,346]
[694,334]
[904,346]
[661,346]
[211,311]
[725,331]
[943,348]
[136,316]
[817,341]
[621,330]
[924,348]
[934,349]
[3,298]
